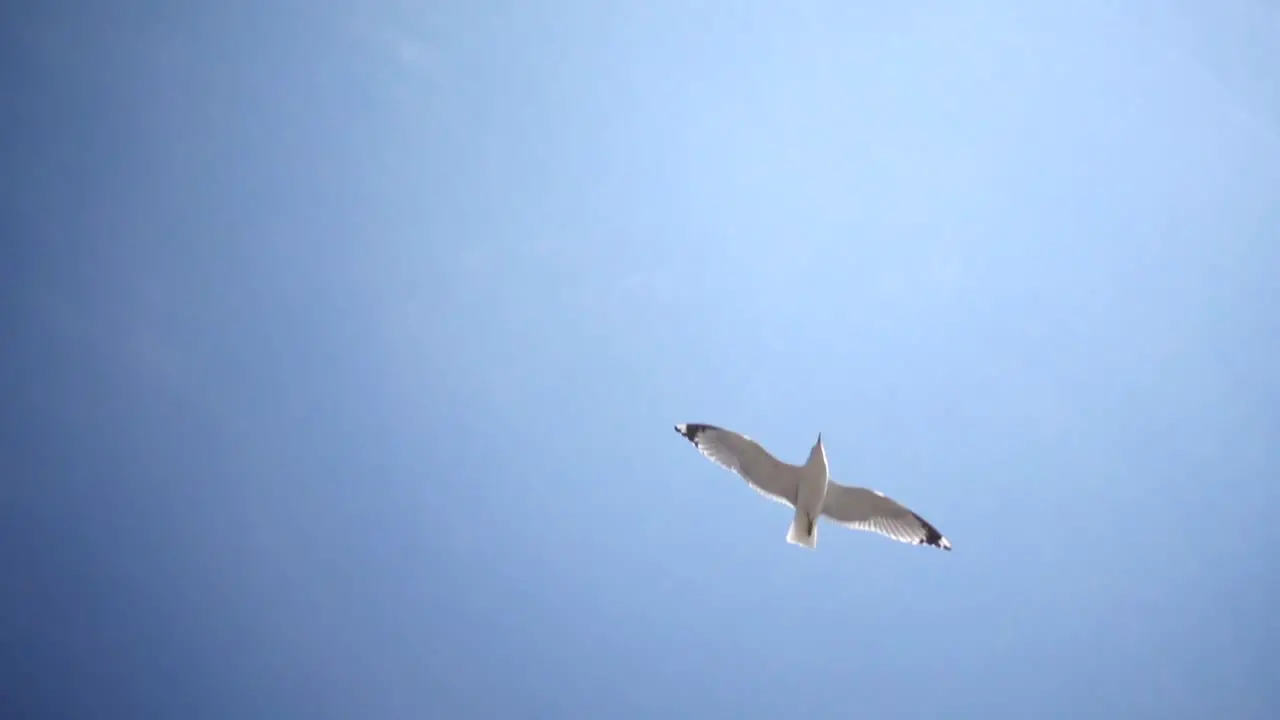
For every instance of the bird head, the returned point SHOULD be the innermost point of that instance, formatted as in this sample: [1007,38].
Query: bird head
[817,447]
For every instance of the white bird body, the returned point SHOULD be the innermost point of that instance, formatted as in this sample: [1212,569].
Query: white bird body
[810,490]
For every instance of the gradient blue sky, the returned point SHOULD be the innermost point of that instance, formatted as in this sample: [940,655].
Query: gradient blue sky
[342,350]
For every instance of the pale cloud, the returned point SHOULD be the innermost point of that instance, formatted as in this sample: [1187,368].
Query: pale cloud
[931,277]
[407,50]
[132,346]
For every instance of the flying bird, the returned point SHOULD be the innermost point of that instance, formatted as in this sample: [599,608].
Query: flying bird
[810,490]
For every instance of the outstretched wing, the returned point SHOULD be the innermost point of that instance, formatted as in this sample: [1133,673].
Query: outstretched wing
[771,477]
[863,509]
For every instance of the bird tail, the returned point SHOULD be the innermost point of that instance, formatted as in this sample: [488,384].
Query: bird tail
[804,530]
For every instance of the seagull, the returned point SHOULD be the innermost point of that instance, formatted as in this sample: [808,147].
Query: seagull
[810,490]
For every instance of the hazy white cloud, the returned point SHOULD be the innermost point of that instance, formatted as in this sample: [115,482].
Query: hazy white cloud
[132,347]
[406,49]
[933,276]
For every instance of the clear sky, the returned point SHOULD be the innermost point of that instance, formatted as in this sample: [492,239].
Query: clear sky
[342,351]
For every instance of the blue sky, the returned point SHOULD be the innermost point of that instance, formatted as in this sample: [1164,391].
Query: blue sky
[344,349]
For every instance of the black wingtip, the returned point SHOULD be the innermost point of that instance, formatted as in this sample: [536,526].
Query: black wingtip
[691,431]
[932,536]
